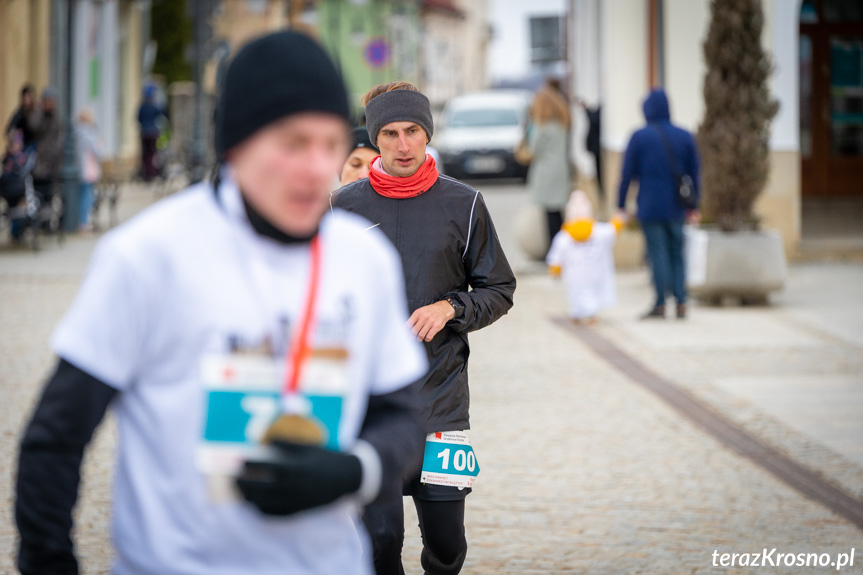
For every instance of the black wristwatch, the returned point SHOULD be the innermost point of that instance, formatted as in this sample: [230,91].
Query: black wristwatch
[457,306]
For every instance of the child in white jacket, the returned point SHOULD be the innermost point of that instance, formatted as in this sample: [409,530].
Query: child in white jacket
[582,251]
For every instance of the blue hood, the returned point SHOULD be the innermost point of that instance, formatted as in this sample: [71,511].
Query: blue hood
[656,107]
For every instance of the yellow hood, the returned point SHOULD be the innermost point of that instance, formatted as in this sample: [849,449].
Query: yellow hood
[580,230]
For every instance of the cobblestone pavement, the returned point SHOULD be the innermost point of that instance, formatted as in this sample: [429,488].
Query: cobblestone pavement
[583,470]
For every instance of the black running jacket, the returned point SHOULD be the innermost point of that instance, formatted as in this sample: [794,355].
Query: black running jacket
[449,247]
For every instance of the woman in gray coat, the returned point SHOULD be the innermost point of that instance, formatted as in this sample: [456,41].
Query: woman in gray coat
[548,176]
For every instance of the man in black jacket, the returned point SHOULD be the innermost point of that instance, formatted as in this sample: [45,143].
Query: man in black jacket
[457,280]
[18,120]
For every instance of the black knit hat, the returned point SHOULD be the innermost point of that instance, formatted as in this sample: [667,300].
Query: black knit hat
[360,136]
[272,77]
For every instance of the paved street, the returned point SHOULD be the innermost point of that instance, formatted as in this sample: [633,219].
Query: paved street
[584,469]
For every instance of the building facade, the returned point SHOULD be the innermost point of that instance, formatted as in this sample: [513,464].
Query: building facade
[475,40]
[439,45]
[621,48]
[372,41]
[25,50]
[454,50]
[108,47]
[520,38]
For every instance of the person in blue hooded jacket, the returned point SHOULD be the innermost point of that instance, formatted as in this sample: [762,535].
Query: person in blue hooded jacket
[148,115]
[649,160]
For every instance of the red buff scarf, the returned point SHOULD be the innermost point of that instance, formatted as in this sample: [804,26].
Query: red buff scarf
[401,188]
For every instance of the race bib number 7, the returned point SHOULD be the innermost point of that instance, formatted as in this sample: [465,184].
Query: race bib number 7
[242,398]
[449,459]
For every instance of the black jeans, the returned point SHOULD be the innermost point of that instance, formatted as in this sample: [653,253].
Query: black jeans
[555,222]
[597,158]
[441,525]
[149,170]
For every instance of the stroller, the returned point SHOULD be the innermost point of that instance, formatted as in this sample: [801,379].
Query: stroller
[16,190]
[45,213]
[27,211]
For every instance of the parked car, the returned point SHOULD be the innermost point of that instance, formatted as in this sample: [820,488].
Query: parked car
[480,132]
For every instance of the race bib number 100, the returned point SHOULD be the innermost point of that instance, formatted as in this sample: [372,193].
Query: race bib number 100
[449,460]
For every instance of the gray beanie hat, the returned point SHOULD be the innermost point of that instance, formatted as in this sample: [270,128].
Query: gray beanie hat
[398,106]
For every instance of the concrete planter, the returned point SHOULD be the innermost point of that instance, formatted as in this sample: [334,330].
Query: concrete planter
[744,265]
[531,231]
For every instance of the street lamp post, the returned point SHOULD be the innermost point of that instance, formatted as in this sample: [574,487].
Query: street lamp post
[69,172]
[197,150]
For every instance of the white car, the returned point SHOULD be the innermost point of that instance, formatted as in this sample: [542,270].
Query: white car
[480,132]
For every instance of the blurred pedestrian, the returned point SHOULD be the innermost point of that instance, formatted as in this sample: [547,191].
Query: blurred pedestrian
[458,280]
[47,129]
[148,116]
[593,143]
[435,154]
[356,167]
[235,330]
[548,177]
[13,184]
[18,120]
[657,156]
[583,252]
[89,156]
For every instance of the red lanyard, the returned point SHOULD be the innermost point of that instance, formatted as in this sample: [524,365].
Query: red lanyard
[301,349]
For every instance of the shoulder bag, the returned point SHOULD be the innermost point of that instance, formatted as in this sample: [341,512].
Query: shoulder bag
[685,185]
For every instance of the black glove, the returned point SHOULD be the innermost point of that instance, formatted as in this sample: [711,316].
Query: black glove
[302,477]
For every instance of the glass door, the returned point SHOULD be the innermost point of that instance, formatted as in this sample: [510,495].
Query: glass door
[831,98]
[846,96]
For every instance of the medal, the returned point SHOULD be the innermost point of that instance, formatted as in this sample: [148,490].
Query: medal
[296,429]
[294,424]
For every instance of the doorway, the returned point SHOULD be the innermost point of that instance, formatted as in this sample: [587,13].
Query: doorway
[831,99]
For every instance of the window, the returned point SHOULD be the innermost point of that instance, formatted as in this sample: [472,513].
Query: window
[843,10]
[546,41]
[846,96]
[808,12]
[806,96]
